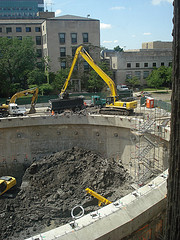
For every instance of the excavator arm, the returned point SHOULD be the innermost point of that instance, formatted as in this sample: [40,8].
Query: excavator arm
[33,91]
[80,50]
[61,95]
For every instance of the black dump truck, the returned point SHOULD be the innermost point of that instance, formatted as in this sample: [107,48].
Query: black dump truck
[60,105]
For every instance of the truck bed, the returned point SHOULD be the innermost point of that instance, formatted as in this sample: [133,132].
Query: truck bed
[59,105]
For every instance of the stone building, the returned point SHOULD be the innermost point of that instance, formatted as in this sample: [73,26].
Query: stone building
[56,37]
[139,63]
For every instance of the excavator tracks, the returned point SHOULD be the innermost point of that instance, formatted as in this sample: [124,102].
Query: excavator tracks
[116,111]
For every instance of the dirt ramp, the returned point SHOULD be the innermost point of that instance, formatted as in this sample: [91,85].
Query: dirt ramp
[54,185]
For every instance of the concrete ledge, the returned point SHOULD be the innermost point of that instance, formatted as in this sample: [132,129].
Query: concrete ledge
[105,120]
[119,219]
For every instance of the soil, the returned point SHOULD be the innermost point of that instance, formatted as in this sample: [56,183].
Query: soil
[54,185]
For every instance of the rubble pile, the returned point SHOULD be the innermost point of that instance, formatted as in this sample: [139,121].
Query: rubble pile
[54,185]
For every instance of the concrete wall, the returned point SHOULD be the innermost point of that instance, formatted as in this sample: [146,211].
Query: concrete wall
[138,215]
[24,140]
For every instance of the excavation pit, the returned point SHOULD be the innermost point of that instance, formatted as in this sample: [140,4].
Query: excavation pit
[36,139]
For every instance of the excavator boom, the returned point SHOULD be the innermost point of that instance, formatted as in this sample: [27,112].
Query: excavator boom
[113,106]
[80,50]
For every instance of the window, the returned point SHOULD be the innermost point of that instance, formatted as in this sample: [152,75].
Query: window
[28,29]
[9,37]
[162,64]
[170,64]
[73,37]
[37,29]
[137,65]
[18,29]
[19,37]
[128,65]
[145,74]
[63,64]
[145,64]
[62,38]
[154,64]
[8,29]
[138,74]
[85,38]
[62,52]
[38,40]
[3,186]
[0,29]
[39,53]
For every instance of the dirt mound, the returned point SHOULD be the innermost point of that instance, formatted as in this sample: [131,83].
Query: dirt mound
[54,185]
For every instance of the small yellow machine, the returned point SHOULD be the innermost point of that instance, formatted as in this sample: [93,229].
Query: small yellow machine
[33,91]
[98,196]
[6,183]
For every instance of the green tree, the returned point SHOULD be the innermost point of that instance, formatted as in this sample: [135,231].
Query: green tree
[36,77]
[118,49]
[133,82]
[17,59]
[95,82]
[45,89]
[160,77]
[60,79]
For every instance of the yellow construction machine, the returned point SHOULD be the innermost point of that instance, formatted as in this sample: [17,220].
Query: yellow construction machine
[113,105]
[6,109]
[6,183]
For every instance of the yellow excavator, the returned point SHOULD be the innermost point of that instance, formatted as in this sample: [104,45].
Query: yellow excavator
[113,105]
[6,183]
[5,108]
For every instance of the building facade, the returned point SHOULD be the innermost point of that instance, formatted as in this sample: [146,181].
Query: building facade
[20,9]
[62,35]
[139,63]
[56,38]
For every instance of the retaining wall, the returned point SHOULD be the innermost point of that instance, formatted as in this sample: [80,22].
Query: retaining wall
[24,140]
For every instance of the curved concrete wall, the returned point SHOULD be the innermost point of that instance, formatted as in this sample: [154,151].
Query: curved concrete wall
[23,140]
[130,214]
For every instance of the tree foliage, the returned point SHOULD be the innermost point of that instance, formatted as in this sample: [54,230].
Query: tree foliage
[118,49]
[60,79]
[17,59]
[133,82]
[36,76]
[95,82]
[160,77]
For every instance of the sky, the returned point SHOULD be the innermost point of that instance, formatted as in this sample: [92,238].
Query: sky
[124,23]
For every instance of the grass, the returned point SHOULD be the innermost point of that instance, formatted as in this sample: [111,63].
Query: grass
[155,90]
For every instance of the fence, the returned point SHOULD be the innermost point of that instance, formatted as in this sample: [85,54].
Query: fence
[158,103]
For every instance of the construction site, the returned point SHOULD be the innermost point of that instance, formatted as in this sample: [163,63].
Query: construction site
[55,158]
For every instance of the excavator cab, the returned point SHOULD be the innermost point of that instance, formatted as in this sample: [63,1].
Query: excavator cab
[6,183]
[109,100]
